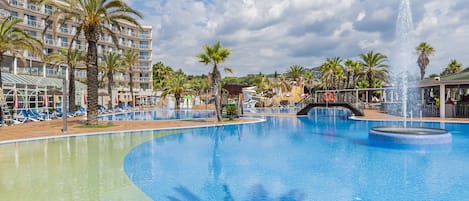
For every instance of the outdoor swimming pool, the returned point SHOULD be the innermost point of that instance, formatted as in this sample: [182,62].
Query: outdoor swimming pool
[324,157]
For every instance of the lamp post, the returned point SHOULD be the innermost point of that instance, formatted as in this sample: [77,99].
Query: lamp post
[64,101]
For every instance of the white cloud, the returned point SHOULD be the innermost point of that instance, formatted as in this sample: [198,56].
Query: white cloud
[271,35]
[361,15]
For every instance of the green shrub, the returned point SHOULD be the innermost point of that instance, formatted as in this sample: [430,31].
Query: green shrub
[231,111]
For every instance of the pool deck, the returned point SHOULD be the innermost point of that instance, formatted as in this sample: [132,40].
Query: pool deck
[53,127]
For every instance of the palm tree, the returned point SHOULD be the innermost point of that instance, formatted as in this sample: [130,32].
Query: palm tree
[71,58]
[215,54]
[175,86]
[94,17]
[355,71]
[160,74]
[374,65]
[198,84]
[309,80]
[452,68]
[111,65]
[130,59]
[295,72]
[330,72]
[16,42]
[424,50]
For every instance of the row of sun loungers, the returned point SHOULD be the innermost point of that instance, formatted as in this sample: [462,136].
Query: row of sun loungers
[33,115]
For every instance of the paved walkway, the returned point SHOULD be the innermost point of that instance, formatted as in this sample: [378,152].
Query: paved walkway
[375,114]
[53,127]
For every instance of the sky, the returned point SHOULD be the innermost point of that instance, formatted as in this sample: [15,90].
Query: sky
[272,35]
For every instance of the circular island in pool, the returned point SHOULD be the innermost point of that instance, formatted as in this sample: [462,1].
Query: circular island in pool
[409,135]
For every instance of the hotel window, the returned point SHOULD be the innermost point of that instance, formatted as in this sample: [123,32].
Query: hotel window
[47,51]
[33,7]
[144,34]
[64,28]
[48,9]
[31,33]
[144,55]
[49,39]
[143,64]
[63,41]
[14,14]
[144,44]
[14,2]
[31,20]
[78,44]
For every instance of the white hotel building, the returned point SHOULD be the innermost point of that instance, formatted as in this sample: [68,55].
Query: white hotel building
[33,77]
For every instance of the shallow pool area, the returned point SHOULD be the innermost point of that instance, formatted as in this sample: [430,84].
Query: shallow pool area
[317,157]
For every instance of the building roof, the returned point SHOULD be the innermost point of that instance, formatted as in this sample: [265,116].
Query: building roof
[9,78]
[234,89]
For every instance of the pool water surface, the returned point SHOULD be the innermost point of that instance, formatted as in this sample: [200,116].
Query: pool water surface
[322,157]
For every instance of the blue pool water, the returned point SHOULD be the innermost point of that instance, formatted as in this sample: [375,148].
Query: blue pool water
[158,114]
[323,157]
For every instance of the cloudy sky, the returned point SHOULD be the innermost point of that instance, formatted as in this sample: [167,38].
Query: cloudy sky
[271,35]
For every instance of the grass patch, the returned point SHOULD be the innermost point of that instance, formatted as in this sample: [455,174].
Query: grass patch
[95,126]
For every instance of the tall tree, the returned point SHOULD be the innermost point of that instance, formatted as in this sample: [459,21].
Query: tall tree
[16,42]
[452,68]
[215,54]
[355,70]
[375,66]
[198,84]
[331,72]
[130,59]
[295,72]
[160,74]
[111,65]
[175,86]
[424,50]
[71,58]
[94,18]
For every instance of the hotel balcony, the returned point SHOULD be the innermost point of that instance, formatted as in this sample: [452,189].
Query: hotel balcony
[144,57]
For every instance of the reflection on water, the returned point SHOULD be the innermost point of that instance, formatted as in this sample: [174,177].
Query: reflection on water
[283,159]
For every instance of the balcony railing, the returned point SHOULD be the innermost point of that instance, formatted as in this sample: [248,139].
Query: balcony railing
[64,30]
[144,69]
[142,79]
[17,3]
[64,43]
[144,46]
[144,57]
[33,23]
[34,7]
[4,13]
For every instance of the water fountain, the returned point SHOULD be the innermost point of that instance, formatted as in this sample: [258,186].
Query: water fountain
[403,73]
